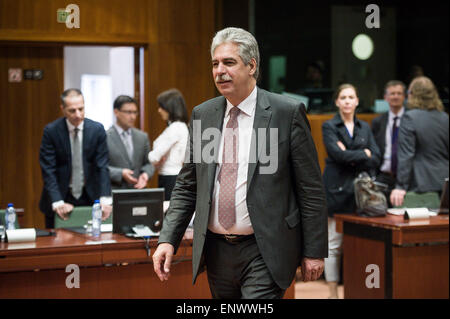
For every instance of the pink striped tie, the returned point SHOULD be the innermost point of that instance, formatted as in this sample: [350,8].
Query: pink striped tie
[228,172]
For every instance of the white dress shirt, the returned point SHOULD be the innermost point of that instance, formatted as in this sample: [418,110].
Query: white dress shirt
[246,117]
[171,143]
[386,166]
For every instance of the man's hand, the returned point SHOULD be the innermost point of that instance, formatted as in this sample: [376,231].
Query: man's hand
[64,210]
[341,145]
[142,181]
[368,152]
[312,268]
[397,196]
[127,175]
[162,260]
[106,211]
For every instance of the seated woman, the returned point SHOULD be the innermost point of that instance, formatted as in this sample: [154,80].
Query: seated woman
[351,150]
[169,148]
[423,149]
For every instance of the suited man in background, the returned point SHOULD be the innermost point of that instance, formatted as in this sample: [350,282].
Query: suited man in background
[252,228]
[385,130]
[128,148]
[74,162]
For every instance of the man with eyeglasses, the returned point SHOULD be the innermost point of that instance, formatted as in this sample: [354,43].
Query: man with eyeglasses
[128,148]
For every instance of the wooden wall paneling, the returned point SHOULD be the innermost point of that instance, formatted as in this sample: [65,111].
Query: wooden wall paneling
[175,35]
[26,108]
[101,21]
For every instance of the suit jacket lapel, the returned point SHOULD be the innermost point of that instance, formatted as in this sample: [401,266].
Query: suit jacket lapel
[135,148]
[383,127]
[215,120]
[344,133]
[262,119]
[64,133]
[87,137]
[118,142]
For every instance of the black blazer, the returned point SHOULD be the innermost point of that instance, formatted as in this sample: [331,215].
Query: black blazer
[379,125]
[55,159]
[287,208]
[342,167]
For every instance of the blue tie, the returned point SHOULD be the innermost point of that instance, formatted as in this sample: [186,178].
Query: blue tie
[394,146]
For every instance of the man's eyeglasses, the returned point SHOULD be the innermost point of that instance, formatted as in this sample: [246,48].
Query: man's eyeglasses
[129,112]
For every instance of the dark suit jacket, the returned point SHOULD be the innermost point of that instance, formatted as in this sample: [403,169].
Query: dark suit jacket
[118,157]
[423,151]
[342,167]
[55,159]
[379,125]
[287,208]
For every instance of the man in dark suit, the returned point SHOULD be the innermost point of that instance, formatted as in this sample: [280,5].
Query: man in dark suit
[128,148]
[74,162]
[254,223]
[385,130]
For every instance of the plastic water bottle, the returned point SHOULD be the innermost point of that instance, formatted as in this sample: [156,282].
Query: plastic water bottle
[10,217]
[96,218]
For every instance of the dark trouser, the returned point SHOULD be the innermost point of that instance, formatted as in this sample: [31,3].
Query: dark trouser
[168,183]
[82,201]
[237,270]
[390,181]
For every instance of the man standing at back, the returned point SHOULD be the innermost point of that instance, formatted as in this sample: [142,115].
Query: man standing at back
[253,227]
[385,130]
[74,162]
[128,148]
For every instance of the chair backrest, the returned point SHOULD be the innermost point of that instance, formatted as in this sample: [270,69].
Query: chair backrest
[79,216]
[2,219]
[428,200]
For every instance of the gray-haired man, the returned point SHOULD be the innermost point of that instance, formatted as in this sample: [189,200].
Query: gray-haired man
[252,229]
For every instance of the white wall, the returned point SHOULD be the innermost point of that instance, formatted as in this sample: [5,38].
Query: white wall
[106,71]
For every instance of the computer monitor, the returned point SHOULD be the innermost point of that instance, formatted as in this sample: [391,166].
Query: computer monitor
[132,207]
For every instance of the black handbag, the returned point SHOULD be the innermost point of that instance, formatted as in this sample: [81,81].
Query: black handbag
[369,196]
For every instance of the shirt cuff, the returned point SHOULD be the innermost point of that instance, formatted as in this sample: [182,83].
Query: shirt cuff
[106,200]
[57,204]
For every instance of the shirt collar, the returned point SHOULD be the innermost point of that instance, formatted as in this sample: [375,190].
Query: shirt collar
[337,120]
[71,127]
[120,130]
[399,114]
[247,106]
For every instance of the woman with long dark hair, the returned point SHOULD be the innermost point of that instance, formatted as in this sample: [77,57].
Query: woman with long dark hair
[169,148]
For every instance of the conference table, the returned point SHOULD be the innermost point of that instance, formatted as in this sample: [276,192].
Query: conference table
[112,267]
[391,257]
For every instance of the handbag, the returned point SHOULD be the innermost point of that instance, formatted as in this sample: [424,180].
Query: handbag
[369,196]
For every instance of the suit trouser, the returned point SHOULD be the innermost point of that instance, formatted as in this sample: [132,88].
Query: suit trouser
[237,270]
[168,183]
[84,200]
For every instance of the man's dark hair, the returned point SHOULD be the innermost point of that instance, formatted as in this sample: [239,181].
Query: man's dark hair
[394,83]
[173,102]
[121,100]
[69,92]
